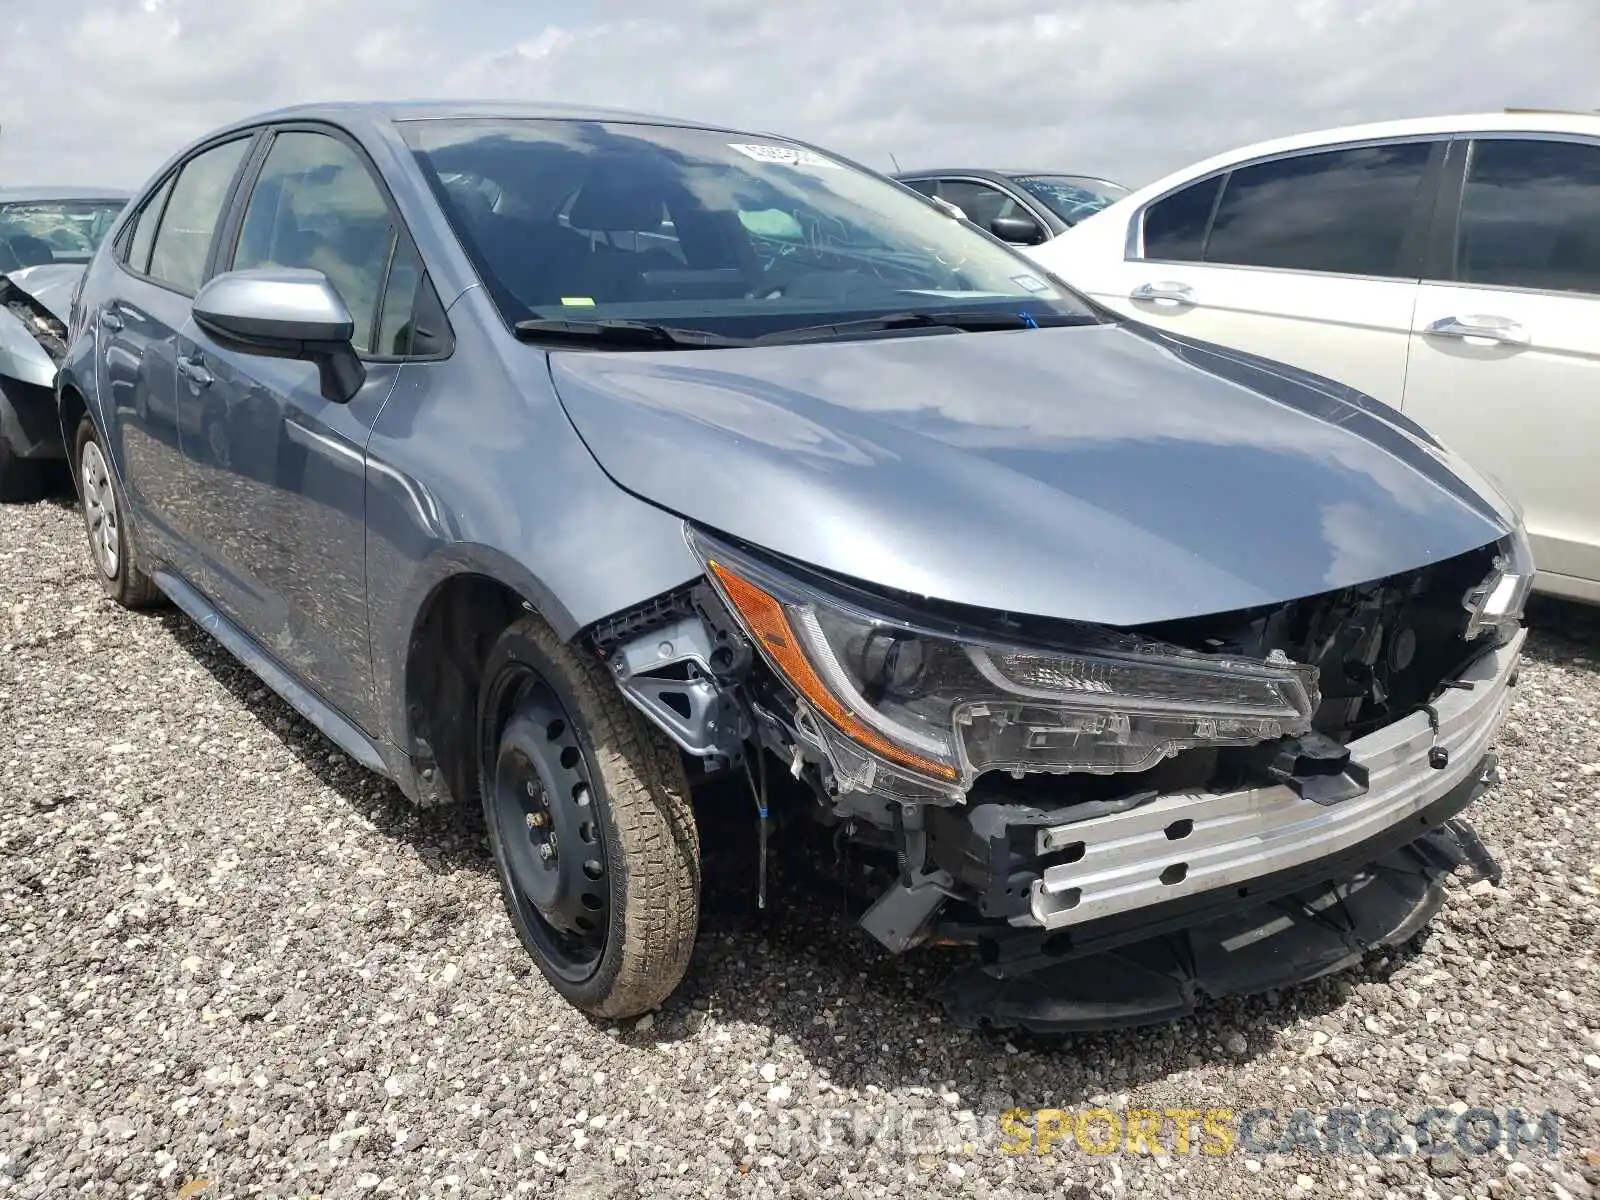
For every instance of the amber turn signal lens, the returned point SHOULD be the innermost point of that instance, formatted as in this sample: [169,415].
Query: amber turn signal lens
[764,617]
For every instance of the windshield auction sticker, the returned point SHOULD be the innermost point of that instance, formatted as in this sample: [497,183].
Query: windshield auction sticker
[788,156]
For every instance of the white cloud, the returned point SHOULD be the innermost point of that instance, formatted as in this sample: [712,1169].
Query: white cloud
[104,89]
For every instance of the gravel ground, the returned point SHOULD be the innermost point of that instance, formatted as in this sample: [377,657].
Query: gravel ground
[236,964]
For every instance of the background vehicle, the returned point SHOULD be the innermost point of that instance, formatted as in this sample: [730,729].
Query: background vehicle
[46,237]
[1448,266]
[551,457]
[1025,208]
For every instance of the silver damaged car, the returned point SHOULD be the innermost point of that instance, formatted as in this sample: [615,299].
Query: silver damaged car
[47,235]
[629,477]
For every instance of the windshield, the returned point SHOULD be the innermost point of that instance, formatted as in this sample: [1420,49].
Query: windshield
[53,231]
[730,233]
[1073,197]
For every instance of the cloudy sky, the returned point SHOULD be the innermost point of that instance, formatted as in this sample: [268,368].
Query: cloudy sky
[100,91]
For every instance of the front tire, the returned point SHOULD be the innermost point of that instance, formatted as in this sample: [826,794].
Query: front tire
[590,823]
[105,516]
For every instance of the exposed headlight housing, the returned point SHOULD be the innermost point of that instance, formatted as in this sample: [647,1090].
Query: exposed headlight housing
[907,706]
[1495,605]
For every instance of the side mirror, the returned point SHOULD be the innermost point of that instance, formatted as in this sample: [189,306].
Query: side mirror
[285,313]
[1019,231]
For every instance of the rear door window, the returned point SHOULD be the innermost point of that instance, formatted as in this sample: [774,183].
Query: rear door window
[1530,216]
[1175,226]
[1343,211]
[178,256]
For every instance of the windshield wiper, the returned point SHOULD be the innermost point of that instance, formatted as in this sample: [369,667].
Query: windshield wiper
[619,332]
[968,322]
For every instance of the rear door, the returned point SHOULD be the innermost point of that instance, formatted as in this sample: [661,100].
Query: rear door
[1311,258]
[1505,345]
[162,260]
[281,466]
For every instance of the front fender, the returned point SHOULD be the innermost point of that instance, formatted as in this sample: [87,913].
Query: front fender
[21,356]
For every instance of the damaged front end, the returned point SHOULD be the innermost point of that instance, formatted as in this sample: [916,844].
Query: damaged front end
[33,339]
[1216,805]
[33,344]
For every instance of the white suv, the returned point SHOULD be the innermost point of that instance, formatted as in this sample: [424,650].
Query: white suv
[1448,266]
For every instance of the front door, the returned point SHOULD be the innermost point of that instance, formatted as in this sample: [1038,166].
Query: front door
[282,466]
[1505,357]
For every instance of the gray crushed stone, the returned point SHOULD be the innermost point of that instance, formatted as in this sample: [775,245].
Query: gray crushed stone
[235,964]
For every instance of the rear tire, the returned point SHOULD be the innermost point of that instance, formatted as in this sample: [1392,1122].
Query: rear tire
[590,823]
[21,479]
[112,547]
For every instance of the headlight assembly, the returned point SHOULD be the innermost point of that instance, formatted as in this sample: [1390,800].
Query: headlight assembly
[908,706]
[1496,604]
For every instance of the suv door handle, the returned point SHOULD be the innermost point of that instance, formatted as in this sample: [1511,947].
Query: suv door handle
[1501,330]
[1163,293]
[110,319]
[194,371]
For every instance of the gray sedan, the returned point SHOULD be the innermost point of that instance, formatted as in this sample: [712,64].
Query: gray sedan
[622,475]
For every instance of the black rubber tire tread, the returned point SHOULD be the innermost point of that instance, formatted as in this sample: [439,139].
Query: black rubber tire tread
[131,587]
[652,841]
[21,479]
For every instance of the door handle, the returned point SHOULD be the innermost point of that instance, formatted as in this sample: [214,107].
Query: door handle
[1163,293]
[194,371]
[1501,330]
[110,319]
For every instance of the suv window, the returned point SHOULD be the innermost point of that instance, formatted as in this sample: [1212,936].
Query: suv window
[144,229]
[1175,226]
[980,202]
[316,205]
[1530,216]
[1343,211]
[928,187]
[190,219]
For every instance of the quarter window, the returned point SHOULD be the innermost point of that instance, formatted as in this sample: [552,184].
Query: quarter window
[178,256]
[399,299]
[144,229]
[315,205]
[1175,226]
[1530,216]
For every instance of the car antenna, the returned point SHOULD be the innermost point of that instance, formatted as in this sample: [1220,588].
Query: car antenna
[895,161]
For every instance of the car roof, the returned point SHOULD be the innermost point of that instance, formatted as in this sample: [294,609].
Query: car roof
[9,195]
[997,173]
[444,110]
[1511,120]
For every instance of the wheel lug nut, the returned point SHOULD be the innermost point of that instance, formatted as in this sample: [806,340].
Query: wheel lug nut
[537,820]
[546,851]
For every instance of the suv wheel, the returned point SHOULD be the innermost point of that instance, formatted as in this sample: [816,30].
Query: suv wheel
[20,478]
[105,516]
[590,824]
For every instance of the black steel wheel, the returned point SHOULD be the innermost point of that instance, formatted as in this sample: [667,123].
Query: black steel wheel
[589,819]
[546,821]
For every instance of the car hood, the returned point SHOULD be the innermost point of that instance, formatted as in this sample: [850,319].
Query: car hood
[25,294]
[50,284]
[1104,473]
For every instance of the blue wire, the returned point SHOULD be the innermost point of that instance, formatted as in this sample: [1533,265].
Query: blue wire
[1027,319]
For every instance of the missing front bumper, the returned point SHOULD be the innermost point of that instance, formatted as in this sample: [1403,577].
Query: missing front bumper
[1295,926]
